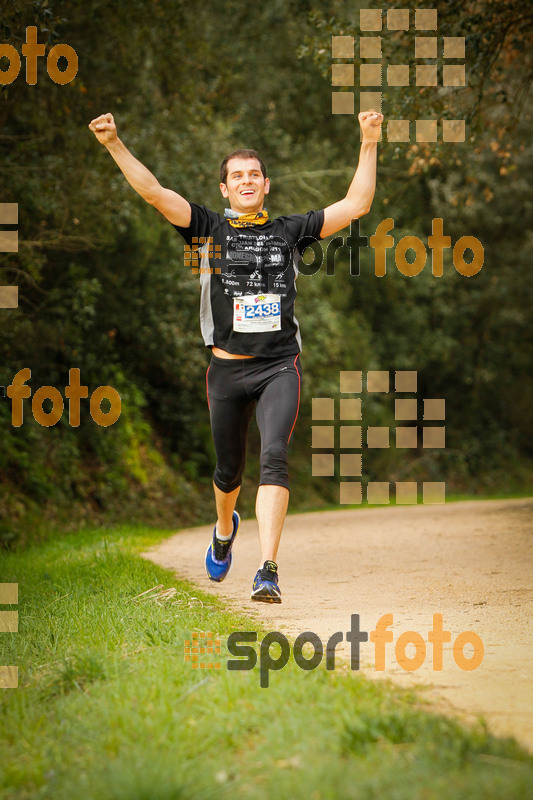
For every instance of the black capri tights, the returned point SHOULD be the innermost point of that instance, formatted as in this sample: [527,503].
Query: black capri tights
[234,388]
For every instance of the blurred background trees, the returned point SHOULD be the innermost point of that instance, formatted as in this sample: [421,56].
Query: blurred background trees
[102,285]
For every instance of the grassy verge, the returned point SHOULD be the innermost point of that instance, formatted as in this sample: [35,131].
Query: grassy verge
[108,709]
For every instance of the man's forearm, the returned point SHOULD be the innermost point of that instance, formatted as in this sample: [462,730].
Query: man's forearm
[137,175]
[363,185]
[358,198]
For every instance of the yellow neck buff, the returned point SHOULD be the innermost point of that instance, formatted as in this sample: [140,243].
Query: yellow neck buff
[245,220]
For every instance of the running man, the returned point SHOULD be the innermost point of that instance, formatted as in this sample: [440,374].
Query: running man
[249,265]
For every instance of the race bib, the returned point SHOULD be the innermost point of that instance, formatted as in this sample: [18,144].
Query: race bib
[257,313]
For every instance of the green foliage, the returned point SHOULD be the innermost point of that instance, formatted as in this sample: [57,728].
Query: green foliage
[434,736]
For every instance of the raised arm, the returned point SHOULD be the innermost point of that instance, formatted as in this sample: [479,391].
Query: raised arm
[171,204]
[361,192]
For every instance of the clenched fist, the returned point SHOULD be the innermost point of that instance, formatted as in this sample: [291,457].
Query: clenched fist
[370,122]
[104,128]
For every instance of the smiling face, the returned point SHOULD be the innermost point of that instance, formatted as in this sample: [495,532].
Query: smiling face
[245,185]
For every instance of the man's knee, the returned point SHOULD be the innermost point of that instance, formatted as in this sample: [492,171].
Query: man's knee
[274,467]
[227,480]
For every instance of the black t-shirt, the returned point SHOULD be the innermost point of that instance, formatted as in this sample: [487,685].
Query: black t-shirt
[259,264]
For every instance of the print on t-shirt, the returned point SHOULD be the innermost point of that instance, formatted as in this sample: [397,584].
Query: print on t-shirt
[255,264]
[260,261]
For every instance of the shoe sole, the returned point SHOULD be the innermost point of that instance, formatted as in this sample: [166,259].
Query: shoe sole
[219,580]
[265,598]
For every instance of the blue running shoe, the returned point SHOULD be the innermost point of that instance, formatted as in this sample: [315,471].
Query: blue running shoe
[218,556]
[265,588]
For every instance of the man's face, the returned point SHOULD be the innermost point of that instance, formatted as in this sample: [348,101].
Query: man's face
[245,185]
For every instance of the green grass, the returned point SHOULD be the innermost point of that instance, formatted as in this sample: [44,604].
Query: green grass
[107,708]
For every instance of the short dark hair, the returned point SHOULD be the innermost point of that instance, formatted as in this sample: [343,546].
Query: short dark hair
[242,153]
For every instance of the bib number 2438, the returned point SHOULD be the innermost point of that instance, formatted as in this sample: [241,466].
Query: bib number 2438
[257,313]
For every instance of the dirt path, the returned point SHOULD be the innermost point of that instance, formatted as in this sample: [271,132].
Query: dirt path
[472,562]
